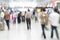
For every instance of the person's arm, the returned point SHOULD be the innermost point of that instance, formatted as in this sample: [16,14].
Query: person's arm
[49,18]
[59,19]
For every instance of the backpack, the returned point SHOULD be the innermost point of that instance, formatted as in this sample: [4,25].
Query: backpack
[44,18]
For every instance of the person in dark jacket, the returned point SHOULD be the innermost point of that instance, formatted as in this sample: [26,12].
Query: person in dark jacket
[19,17]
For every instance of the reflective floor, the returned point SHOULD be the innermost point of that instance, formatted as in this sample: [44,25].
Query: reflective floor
[20,32]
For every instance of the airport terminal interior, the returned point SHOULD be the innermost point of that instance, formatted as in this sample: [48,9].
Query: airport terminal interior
[21,19]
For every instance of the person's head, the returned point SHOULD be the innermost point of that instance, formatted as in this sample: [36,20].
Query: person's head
[43,9]
[28,10]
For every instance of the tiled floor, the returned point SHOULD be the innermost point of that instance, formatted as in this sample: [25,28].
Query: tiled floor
[20,32]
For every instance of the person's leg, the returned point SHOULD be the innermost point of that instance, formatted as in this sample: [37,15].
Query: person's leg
[52,31]
[7,22]
[18,20]
[23,18]
[56,32]
[27,24]
[30,23]
[43,26]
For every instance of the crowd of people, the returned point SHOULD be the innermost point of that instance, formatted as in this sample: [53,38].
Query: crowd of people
[11,17]
[53,18]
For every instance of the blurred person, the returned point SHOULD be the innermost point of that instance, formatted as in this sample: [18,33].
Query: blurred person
[19,17]
[12,16]
[7,18]
[36,16]
[15,16]
[1,20]
[23,17]
[28,19]
[44,21]
[54,21]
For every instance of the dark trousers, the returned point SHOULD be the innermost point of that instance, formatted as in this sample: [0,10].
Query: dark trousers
[7,22]
[28,20]
[23,18]
[54,28]
[43,32]
[19,19]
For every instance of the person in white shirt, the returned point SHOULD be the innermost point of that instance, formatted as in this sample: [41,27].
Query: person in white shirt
[28,19]
[54,21]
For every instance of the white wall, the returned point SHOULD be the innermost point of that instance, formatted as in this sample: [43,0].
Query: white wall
[22,4]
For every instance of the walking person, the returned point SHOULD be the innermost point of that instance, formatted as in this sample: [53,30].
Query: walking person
[23,16]
[28,19]
[12,16]
[7,18]
[44,21]
[19,18]
[36,16]
[54,21]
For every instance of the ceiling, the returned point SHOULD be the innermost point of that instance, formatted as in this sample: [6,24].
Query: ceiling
[39,2]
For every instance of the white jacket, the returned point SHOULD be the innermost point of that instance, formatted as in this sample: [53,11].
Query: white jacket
[54,19]
[28,15]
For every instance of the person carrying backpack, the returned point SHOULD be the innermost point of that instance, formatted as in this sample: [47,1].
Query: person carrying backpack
[44,21]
